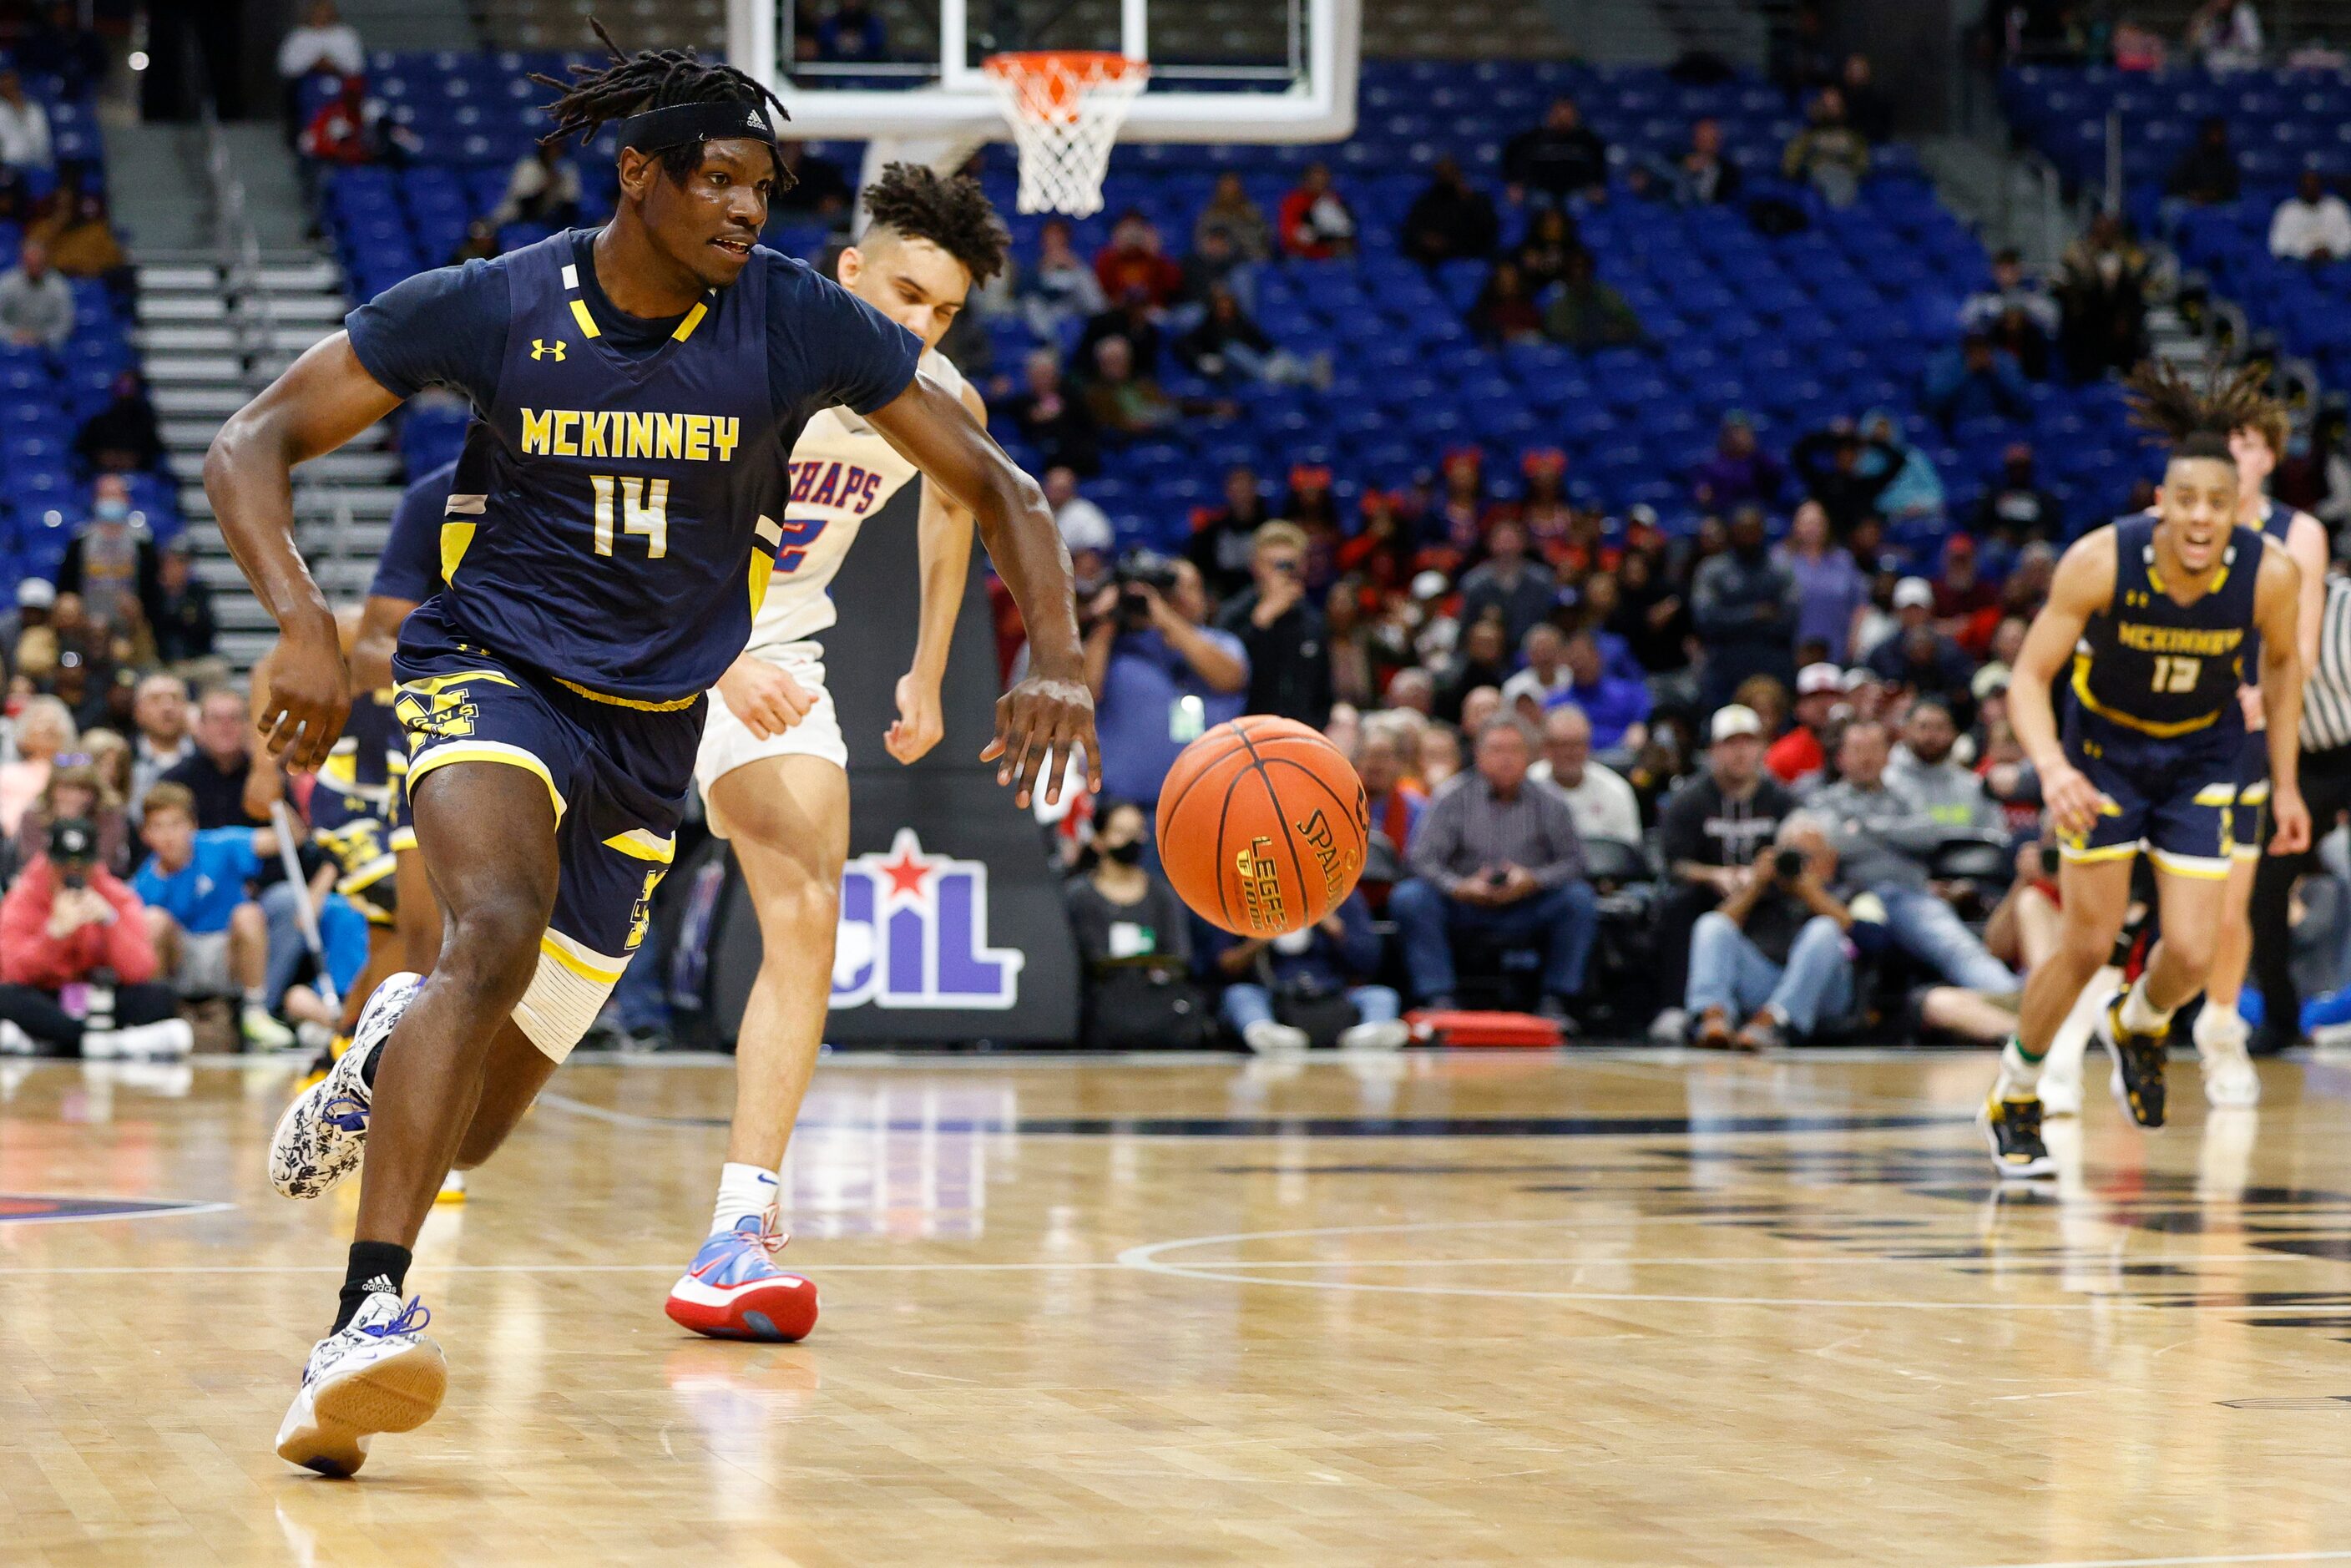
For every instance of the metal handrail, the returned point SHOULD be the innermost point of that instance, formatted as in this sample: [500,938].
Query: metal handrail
[250,318]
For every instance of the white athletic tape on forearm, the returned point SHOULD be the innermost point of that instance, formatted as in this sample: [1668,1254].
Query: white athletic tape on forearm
[559,1007]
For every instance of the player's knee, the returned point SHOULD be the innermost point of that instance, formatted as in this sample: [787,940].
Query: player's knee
[805,908]
[248,921]
[495,944]
[2193,947]
[2084,945]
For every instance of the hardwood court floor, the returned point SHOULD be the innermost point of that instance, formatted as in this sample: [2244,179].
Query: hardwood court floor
[1630,1309]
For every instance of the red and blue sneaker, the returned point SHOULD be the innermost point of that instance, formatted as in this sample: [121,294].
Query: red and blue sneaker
[733,1291]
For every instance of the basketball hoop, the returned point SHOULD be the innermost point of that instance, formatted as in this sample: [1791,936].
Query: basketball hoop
[1065,105]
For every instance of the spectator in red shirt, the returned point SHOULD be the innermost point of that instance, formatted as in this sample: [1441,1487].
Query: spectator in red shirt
[344,129]
[1133,261]
[1966,608]
[70,920]
[1315,221]
[1805,748]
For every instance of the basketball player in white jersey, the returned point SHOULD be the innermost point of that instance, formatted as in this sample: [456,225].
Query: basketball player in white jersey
[2221,1032]
[773,767]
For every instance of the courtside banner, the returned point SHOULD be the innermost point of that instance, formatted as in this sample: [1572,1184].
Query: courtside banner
[952,924]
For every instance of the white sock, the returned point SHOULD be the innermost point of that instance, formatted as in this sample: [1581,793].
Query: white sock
[2220,1029]
[2140,1016]
[254,998]
[743,1191]
[2020,1074]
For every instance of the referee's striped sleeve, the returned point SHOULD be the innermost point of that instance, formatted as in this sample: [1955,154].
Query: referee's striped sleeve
[2326,691]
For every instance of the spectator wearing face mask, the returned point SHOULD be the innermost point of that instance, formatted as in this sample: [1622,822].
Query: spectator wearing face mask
[112,562]
[1133,941]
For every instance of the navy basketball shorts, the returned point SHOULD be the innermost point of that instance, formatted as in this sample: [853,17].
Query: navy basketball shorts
[2250,827]
[2175,797]
[353,827]
[616,773]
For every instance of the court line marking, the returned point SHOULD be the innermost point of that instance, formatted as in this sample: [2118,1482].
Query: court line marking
[2190,1562]
[177,1208]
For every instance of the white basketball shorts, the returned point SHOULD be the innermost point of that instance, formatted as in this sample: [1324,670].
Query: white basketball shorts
[728,742]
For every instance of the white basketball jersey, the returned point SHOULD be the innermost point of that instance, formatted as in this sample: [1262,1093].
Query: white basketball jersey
[842,472]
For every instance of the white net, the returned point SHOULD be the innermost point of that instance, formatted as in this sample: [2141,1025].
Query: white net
[1065,110]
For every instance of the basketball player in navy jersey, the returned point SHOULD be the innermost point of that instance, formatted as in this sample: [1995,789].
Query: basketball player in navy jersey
[2157,612]
[636,390]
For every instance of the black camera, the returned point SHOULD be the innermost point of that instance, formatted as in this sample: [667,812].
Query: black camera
[2049,859]
[1138,570]
[73,848]
[1787,865]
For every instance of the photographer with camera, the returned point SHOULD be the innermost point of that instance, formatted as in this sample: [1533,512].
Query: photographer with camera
[1161,678]
[69,922]
[1282,630]
[1780,952]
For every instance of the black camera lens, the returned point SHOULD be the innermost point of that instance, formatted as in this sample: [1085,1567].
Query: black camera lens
[1788,865]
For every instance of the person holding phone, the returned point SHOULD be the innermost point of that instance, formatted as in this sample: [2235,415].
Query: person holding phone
[1779,951]
[1282,629]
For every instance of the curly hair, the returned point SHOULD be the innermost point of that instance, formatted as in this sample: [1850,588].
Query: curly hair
[2198,420]
[651,78]
[950,211]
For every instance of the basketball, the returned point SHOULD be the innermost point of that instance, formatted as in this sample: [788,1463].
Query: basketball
[1263,826]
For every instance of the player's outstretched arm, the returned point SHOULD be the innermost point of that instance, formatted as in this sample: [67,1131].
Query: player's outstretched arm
[943,544]
[2278,601]
[2084,585]
[1051,714]
[324,399]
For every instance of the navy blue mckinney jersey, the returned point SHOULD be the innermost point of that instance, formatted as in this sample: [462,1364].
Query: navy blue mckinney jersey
[2155,665]
[615,516]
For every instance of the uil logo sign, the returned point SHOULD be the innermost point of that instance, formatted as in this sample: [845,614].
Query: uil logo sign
[913,934]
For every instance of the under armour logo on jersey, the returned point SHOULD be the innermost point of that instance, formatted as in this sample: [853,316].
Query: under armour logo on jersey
[541,348]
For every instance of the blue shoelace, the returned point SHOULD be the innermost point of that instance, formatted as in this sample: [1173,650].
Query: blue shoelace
[351,1121]
[414,1316]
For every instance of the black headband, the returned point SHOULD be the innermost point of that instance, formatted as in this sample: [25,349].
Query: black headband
[657,129]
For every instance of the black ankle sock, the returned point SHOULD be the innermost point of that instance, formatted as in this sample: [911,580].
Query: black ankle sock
[374,1266]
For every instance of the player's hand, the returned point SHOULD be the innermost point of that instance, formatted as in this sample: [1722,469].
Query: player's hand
[262,785]
[310,696]
[1039,724]
[2292,820]
[765,698]
[2249,702]
[920,724]
[2072,801]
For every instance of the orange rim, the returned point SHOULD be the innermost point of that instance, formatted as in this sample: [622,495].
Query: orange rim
[1052,82]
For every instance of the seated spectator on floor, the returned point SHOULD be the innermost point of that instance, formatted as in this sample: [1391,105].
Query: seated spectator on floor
[1776,953]
[37,305]
[112,563]
[2206,174]
[1708,830]
[1053,422]
[852,33]
[2313,225]
[1884,840]
[543,187]
[1281,631]
[1160,676]
[1060,287]
[1496,862]
[1231,213]
[1289,992]
[75,792]
[1743,605]
[1133,263]
[1587,314]
[1739,472]
[211,939]
[1557,160]
[45,731]
[2012,289]
[1919,656]
[216,775]
[2017,508]
[183,625]
[819,190]
[123,437]
[1616,707]
[1316,222]
[1976,380]
[1599,799]
[1703,176]
[23,126]
[1450,219]
[1505,312]
[1520,589]
[1828,154]
[1227,347]
[69,920]
[1545,678]
[1134,944]
[1922,774]
[159,711]
[1800,754]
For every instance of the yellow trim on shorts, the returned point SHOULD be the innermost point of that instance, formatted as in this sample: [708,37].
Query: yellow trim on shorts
[2244,851]
[2103,853]
[403,840]
[580,960]
[2199,868]
[637,703]
[2215,795]
[2253,794]
[485,751]
[366,877]
[643,844]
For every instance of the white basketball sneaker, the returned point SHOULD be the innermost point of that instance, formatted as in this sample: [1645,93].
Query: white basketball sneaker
[323,1135]
[378,1373]
[2230,1082]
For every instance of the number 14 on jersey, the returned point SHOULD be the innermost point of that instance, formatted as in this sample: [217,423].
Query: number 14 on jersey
[644,509]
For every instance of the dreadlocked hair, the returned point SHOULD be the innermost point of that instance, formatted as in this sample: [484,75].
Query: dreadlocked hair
[2198,419]
[651,78]
[918,202]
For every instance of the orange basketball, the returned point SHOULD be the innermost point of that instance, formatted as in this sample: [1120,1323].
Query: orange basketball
[1263,826]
